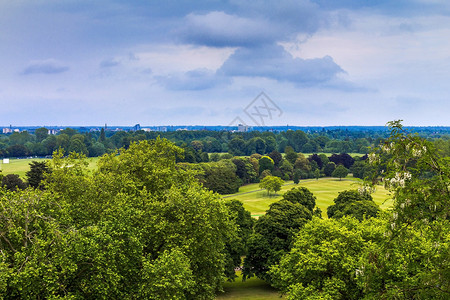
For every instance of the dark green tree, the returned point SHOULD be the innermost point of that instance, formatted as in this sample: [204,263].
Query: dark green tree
[12,182]
[276,157]
[358,204]
[265,163]
[41,134]
[290,155]
[329,168]
[340,172]
[236,246]
[302,196]
[272,237]
[37,173]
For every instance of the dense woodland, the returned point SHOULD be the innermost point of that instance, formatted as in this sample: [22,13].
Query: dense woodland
[146,225]
[41,143]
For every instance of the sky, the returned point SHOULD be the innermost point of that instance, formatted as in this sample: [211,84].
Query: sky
[223,62]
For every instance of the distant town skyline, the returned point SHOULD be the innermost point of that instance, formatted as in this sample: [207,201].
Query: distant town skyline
[316,62]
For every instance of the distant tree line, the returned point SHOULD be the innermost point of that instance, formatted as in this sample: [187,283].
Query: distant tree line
[196,143]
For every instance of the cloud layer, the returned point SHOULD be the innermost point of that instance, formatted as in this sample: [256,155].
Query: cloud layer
[49,66]
[348,61]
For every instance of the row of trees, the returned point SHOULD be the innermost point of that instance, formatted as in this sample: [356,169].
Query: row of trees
[41,143]
[225,174]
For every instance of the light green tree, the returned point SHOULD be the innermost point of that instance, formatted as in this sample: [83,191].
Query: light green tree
[412,262]
[136,227]
[324,262]
[271,183]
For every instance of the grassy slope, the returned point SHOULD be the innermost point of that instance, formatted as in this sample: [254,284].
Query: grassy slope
[21,166]
[252,289]
[325,189]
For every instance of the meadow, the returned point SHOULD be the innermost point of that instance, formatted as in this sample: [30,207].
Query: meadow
[257,201]
[21,166]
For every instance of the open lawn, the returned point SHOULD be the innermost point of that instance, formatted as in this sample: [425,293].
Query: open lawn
[257,201]
[21,166]
[251,289]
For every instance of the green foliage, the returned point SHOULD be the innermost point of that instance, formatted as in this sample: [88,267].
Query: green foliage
[358,204]
[276,157]
[302,163]
[329,168]
[36,174]
[271,183]
[159,279]
[302,196]
[237,247]
[137,227]
[245,169]
[13,182]
[221,177]
[412,263]
[274,231]
[297,176]
[340,172]
[265,163]
[272,237]
[361,169]
[290,155]
[324,262]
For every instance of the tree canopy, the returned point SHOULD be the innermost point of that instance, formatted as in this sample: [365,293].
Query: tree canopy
[271,183]
[136,227]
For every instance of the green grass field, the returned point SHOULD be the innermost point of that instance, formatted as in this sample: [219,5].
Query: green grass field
[325,189]
[251,289]
[21,166]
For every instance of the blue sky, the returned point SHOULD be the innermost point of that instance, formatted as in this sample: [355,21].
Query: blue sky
[321,62]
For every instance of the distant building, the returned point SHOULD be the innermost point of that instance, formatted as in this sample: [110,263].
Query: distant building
[242,128]
[147,129]
[7,130]
[136,127]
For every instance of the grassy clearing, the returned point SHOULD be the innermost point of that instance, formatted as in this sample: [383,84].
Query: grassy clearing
[257,201]
[21,166]
[251,289]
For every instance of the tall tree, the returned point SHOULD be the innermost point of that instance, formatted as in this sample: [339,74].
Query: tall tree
[37,173]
